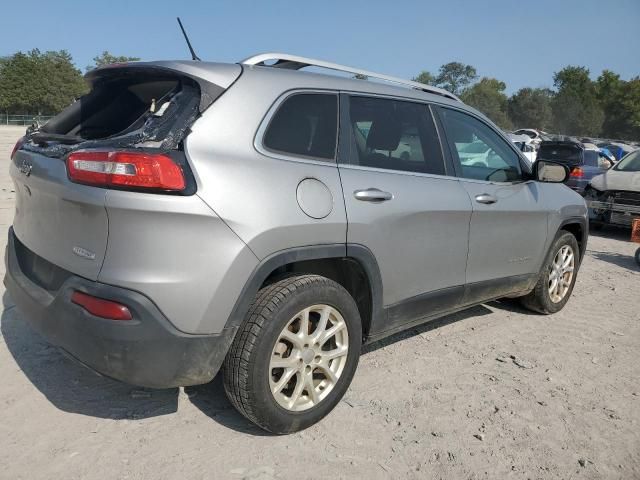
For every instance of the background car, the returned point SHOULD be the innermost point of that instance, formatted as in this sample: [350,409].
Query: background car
[525,145]
[617,149]
[534,135]
[619,188]
[584,160]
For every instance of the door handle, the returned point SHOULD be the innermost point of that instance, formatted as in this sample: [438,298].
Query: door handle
[486,198]
[372,195]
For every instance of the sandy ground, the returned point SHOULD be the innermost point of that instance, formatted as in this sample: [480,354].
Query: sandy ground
[494,392]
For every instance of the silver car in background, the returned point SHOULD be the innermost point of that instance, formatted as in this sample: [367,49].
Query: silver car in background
[186,217]
[615,195]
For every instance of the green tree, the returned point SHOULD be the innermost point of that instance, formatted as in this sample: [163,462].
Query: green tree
[106,58]
[488,96]
[623,119]
[455,76]
[36,82]
[576,108]
[531,108]
[610,91]
[425,77]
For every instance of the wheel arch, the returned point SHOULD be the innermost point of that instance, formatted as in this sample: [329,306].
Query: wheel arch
[579,228]
[353,266]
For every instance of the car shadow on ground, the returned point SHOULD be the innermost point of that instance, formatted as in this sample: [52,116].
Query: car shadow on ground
[611,231]
[476,311]
[73,388]
[212,401]
[624,261]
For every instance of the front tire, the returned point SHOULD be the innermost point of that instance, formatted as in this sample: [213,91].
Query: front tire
[295,355]
[557,277]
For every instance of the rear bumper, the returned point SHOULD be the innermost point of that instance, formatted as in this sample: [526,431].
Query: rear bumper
[578,185]
[146,351]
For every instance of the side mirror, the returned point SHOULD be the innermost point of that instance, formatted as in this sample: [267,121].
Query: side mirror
[550,172]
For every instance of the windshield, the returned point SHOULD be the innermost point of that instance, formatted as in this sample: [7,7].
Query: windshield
[630,163]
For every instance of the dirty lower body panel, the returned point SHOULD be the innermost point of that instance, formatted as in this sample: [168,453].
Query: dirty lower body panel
[146,351]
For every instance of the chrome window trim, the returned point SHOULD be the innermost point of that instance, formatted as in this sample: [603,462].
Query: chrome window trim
[349,166]
[258,141]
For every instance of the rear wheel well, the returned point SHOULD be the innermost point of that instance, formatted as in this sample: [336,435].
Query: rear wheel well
[577,231]
[346,271]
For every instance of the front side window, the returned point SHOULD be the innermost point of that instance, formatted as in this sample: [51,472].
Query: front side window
[479,151]
[394,135]
[306,125]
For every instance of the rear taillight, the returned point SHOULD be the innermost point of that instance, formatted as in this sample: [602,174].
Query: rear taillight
[125,169]
[17,147]
[101,307]
[576,172]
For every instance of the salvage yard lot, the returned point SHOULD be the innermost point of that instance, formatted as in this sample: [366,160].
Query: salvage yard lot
[493,392]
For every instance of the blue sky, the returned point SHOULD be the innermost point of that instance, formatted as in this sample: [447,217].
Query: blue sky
[519,42]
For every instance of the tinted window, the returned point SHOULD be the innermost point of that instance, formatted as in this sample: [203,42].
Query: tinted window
[591,158]
[394,135]
[305,124]
[560,153]
[481,153]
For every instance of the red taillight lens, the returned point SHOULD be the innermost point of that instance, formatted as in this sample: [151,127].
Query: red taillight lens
[101,307]
[576,172]
[17,147]
[125,169]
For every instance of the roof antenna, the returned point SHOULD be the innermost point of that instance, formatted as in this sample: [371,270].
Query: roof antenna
[193,53]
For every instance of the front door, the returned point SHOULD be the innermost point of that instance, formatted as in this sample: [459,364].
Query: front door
[508,228]
[402,205]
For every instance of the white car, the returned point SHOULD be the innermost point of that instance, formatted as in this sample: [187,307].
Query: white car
[534,135]
[525,145]
[614,197]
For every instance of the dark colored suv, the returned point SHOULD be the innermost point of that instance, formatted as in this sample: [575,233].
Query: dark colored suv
[585,162]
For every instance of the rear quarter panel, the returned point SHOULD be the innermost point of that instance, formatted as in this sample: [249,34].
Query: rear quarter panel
[180,254]
[255,193]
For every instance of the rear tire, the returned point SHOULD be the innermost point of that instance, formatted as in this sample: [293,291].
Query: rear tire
[556,280]
[295,355]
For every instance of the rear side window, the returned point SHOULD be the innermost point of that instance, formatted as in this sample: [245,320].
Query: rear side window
[394,135]
[306,124]
[591,158]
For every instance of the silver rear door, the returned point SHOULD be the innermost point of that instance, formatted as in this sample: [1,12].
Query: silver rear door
[416,223]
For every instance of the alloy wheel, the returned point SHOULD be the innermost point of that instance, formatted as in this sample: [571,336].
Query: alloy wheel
[561,273]
[308,357]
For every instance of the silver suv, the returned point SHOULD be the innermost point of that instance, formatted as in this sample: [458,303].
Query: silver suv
[187,217]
